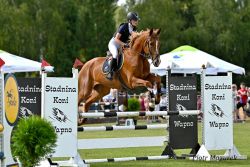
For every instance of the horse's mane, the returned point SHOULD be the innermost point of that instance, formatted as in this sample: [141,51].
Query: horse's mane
[134,36]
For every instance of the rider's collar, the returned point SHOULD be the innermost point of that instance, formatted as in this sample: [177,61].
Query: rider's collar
[130,28]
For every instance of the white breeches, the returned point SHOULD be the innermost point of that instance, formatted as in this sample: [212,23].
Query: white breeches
[113,48]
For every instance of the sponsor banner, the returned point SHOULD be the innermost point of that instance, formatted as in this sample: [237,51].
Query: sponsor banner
[218,123]
[11,99]
[60,108]
[182,96]
[11,110]
[30,96]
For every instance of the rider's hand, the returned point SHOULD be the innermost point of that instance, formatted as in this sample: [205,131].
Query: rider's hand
[126,45]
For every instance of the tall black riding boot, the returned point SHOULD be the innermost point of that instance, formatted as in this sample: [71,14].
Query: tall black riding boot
[112,68]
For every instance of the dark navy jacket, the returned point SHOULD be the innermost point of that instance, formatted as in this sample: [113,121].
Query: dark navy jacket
[124,31]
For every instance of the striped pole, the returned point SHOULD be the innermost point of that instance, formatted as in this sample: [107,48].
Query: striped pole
[89,161]
[112,128]
[136,113]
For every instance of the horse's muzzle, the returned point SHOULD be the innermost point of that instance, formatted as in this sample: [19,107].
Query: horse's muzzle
[157,62]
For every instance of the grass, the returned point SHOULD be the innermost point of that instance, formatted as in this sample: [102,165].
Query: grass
[241,140]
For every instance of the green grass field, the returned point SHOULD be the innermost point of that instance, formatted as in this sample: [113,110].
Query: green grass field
[241,140]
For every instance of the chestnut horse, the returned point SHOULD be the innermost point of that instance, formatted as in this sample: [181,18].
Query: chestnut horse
[135,72]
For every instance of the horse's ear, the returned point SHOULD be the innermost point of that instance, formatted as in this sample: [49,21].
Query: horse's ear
[158,31]
[151,32]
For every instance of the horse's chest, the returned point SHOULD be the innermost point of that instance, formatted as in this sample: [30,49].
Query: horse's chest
[141,69]
[144,72]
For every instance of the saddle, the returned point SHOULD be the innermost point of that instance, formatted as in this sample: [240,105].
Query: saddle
[120,59]
[106,64]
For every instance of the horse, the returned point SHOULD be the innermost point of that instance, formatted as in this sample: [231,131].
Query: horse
[135,71]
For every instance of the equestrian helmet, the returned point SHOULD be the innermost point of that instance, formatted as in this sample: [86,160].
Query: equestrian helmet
[132,16]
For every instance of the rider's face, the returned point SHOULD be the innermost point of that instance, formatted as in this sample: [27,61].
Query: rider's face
[134,23]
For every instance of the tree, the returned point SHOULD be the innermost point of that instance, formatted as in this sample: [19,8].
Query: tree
[226,34]
[160,14]
[62,30]
[96,27]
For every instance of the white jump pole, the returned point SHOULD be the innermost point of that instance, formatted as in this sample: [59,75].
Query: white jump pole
[136,113]
[113,128]
[89,161]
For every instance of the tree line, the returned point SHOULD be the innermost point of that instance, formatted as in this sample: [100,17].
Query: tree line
[62,30]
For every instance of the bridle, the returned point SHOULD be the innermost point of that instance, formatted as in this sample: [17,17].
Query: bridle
[149,54]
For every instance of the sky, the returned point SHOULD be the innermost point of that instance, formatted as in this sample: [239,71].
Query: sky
[120,2]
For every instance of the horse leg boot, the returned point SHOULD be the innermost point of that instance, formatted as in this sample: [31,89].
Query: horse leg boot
[112,68]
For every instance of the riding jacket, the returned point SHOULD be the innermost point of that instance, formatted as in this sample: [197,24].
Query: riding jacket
[125,29]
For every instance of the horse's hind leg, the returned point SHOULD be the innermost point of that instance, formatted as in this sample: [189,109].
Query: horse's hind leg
[84,91]
[81,100]
[98,92]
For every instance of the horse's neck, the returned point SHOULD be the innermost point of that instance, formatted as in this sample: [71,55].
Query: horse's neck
[132,56]
[136,50]
[136,60]
[138,47]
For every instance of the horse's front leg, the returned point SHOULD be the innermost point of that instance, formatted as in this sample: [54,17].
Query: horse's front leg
[156,81]
[135,82]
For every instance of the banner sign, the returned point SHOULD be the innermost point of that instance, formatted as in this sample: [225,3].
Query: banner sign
[10,114]
[218,122]
[183,128]
[60,107]
[30,96]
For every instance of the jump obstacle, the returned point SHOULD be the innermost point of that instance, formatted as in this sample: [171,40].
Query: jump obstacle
[77,159]
[99,143]
[113,128]
[126,142]
[136,113]
[230,152]
[126,159]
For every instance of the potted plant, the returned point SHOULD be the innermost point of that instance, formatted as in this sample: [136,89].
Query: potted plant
[33,139]
[133,105]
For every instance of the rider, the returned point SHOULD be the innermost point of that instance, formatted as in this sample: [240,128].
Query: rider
[120,39]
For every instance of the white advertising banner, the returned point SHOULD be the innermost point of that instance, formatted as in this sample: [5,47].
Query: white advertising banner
[218,122]
[60,107]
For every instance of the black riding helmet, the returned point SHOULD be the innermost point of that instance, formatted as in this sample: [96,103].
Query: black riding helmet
[132,16]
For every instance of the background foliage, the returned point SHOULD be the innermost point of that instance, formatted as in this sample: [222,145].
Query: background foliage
[133,104]
[61,30]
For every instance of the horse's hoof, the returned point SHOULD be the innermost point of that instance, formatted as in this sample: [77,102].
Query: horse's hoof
[81,108]
[81,121]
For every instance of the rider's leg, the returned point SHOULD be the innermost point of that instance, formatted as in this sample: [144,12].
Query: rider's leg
[113,64]
[113,48]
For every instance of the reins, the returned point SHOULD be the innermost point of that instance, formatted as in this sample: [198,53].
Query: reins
[143,54]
